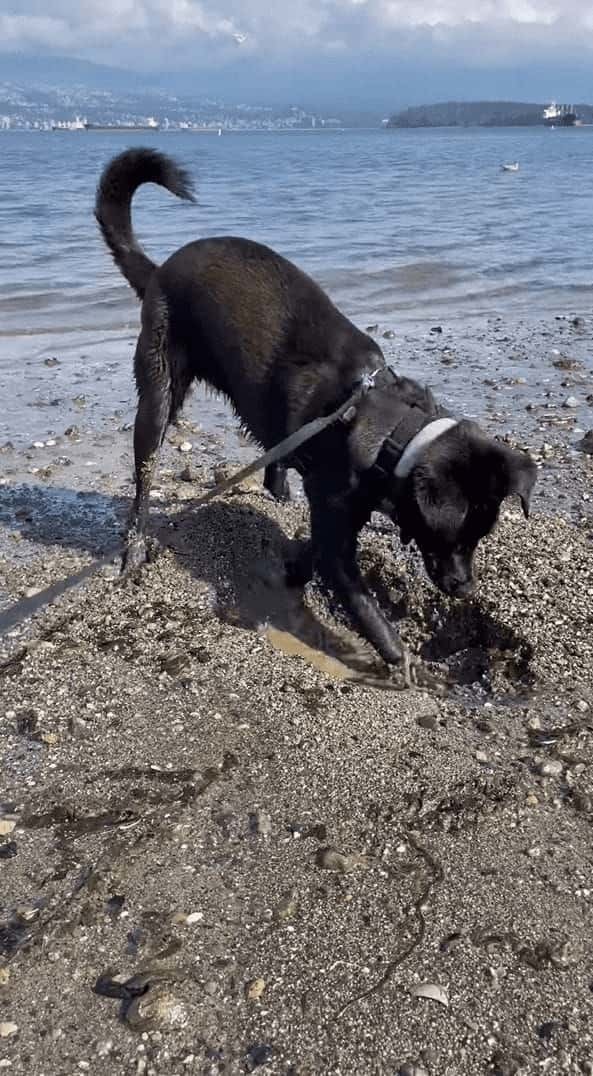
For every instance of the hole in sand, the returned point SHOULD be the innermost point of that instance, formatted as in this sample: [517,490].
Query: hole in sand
[476,648]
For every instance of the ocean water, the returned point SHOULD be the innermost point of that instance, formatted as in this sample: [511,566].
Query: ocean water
[399,226]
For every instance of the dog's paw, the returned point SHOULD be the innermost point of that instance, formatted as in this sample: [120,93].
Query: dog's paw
[135,556]
[411,674]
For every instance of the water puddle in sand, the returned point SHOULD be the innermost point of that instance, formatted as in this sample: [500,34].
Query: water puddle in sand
[294,648]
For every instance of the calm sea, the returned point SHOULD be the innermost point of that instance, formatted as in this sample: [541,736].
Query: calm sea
[397,225]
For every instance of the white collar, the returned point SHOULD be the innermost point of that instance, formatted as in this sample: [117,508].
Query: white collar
[419,444]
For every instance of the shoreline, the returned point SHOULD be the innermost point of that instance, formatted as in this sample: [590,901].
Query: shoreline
[211,790]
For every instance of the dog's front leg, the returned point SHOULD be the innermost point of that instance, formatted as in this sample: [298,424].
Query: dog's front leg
[335,525]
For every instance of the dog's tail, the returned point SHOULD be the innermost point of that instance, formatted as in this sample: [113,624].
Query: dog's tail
[119,181]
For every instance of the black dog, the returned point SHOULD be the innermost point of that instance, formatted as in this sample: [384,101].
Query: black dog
[240,317]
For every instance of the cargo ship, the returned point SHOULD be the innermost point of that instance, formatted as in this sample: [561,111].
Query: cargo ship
[560,116]
[150,125]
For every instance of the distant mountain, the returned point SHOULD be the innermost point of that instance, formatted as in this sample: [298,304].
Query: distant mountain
[478,114]
[37,90]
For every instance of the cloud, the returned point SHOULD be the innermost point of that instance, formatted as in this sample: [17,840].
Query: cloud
[309,42]
[284,25]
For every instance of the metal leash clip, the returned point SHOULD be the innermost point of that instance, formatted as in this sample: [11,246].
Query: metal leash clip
[367,382]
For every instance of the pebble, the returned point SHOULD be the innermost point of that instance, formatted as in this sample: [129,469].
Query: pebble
[586,444]
[412,1068]
[287,907]
[258,1055]
[185,446]
[6,826]
[255,989]
[551,768]
[330,860]
[261,823]
[481,756]
[427,721]
[388,334]
[7,1029]
[4,976]
[372,329]
[193,918]
[571,401]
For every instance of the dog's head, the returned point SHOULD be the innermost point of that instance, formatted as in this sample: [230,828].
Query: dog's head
[452,497]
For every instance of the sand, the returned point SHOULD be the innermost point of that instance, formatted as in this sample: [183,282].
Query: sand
[227,841]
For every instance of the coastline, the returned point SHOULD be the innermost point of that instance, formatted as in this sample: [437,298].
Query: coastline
[213,786]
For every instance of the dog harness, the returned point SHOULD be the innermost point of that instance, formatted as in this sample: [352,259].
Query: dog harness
[419,426]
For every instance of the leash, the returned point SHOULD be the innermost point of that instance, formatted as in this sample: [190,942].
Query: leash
[289,445]
[28,606]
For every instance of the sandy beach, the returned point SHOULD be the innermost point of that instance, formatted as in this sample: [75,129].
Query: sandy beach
[227,841]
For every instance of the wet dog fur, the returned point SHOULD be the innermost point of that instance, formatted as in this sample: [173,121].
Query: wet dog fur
[244,320]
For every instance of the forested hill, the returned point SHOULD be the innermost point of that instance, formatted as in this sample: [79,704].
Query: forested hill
[478,114]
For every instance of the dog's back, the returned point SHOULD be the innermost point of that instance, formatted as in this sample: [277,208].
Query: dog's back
[234,313]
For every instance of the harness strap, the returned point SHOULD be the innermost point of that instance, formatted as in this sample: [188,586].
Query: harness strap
[289,445]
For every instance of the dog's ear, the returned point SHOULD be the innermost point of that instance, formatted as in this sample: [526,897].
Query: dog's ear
[521,476]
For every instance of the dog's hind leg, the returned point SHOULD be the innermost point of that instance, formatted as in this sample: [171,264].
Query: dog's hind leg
[159,398]
[276,481]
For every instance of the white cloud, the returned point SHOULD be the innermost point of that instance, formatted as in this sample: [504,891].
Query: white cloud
[147,29]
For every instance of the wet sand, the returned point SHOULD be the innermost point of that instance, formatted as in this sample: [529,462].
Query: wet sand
[227,841]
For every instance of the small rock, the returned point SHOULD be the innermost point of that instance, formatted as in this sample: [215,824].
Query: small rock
[4,976]
[586,443]
[175,663]
[49,738]
[78,728]
[571,402]
[258,1055]
[51,361]
[481,756]
[437,329]
[26,913]
[255,989]
[330,860]
[186,474]
[412,1068]
[193,918]
[185,446]
[6,826]
[372,329]
[287,908]
[551,768]
[566,364]
[261,823]
[427,721]
[7,1029]
[388,334]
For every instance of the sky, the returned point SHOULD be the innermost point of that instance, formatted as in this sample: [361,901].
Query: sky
[391,52]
